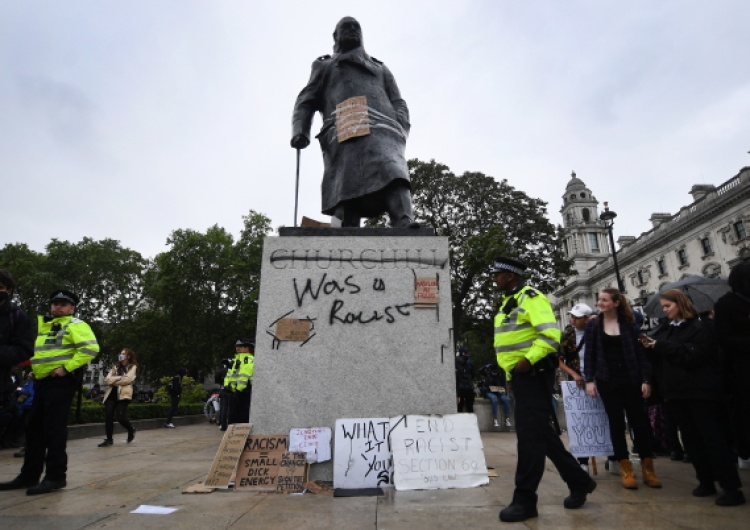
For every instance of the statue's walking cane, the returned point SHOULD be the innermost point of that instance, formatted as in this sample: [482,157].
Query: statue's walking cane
[296,192]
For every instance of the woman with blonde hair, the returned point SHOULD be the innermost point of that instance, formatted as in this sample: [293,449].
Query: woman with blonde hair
[119,395]
[616,368]
[688,354]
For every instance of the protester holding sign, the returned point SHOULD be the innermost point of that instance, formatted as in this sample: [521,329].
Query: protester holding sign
[616,368]
[692,386]
[571,351]
[526,342]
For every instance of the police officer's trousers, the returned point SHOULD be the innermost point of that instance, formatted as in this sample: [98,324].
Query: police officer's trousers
[47,430]
[537,439]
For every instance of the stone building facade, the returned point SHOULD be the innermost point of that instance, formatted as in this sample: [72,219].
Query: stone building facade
[706,237]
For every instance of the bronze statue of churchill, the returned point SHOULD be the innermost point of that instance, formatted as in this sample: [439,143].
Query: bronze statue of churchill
[363,137]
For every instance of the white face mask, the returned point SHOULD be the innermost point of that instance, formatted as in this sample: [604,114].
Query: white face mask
[121,357]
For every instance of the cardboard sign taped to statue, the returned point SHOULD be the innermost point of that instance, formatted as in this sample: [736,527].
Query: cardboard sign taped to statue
[588,426]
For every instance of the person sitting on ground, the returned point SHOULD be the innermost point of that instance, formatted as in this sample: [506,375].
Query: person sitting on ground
[496,391]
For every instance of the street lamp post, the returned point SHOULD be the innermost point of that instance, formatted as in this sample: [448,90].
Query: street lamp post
[608,216]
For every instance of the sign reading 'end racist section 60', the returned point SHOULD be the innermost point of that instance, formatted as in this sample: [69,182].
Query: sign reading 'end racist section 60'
[437,452]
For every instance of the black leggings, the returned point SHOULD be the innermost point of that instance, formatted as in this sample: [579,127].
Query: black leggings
[121,407]
[621,400]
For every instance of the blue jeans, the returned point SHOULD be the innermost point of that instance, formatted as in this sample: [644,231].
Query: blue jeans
[493,397]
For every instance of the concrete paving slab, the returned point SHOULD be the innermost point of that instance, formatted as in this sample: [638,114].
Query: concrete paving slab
[106,484]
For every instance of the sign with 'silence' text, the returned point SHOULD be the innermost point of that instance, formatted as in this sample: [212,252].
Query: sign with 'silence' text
[437,452]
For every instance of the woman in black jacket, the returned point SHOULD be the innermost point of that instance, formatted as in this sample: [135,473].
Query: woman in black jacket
[692,387]
[733,329]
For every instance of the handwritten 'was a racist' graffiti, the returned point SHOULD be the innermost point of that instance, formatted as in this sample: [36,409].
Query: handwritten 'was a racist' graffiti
[339,313]
[325,300]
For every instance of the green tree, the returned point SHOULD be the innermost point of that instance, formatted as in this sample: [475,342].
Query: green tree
[202,295]
[482,218]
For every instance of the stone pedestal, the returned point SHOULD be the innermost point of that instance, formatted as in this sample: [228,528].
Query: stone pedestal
[370,351]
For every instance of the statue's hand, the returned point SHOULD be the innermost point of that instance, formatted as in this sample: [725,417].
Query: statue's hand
[300,141]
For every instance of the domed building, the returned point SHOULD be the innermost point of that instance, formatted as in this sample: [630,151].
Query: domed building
[706,237]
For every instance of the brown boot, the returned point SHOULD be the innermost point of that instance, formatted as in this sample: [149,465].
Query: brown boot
[626,473]
[649,476]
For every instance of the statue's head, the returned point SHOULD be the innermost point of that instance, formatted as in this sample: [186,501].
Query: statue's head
[347,35]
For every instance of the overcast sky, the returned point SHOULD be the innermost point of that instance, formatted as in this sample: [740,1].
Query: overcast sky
[127,120]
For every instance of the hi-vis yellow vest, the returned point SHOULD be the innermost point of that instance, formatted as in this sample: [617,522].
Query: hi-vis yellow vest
[64,341]
[240,374]
[528,330]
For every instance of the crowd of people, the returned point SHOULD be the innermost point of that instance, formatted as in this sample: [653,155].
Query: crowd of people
[677,390]
[57,350]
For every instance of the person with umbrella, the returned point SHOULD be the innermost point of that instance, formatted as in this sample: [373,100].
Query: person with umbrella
[704,293]
[692,386]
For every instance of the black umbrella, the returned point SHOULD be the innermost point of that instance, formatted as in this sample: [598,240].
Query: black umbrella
[704,292]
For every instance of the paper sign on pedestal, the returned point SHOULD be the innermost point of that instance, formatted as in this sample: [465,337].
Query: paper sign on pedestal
[437,452]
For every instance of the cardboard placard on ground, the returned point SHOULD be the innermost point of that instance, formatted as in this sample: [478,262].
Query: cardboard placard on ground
[228,454]
[588,426]
[267,465]
[314,442]
[362,457]
[437,452]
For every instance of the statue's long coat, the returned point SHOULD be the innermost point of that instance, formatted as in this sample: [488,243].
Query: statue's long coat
[366,164]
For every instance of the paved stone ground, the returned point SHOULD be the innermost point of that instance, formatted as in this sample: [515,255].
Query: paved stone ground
[105,484]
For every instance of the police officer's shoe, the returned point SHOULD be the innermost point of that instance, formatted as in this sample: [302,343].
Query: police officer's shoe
[20,482]
[577,498]
[517,512]
[46,486]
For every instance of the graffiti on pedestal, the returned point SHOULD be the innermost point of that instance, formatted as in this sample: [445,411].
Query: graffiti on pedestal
[345,288]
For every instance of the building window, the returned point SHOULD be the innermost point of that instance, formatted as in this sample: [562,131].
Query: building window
[682,257]
[594,242]
[662,266]
[739,229]
[706,246]
[586,215]
[641,281]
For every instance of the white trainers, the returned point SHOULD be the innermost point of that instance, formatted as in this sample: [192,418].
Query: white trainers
[585,467]
[169,425]
[614,467]
[743,463]
[495,423]
[507,422]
